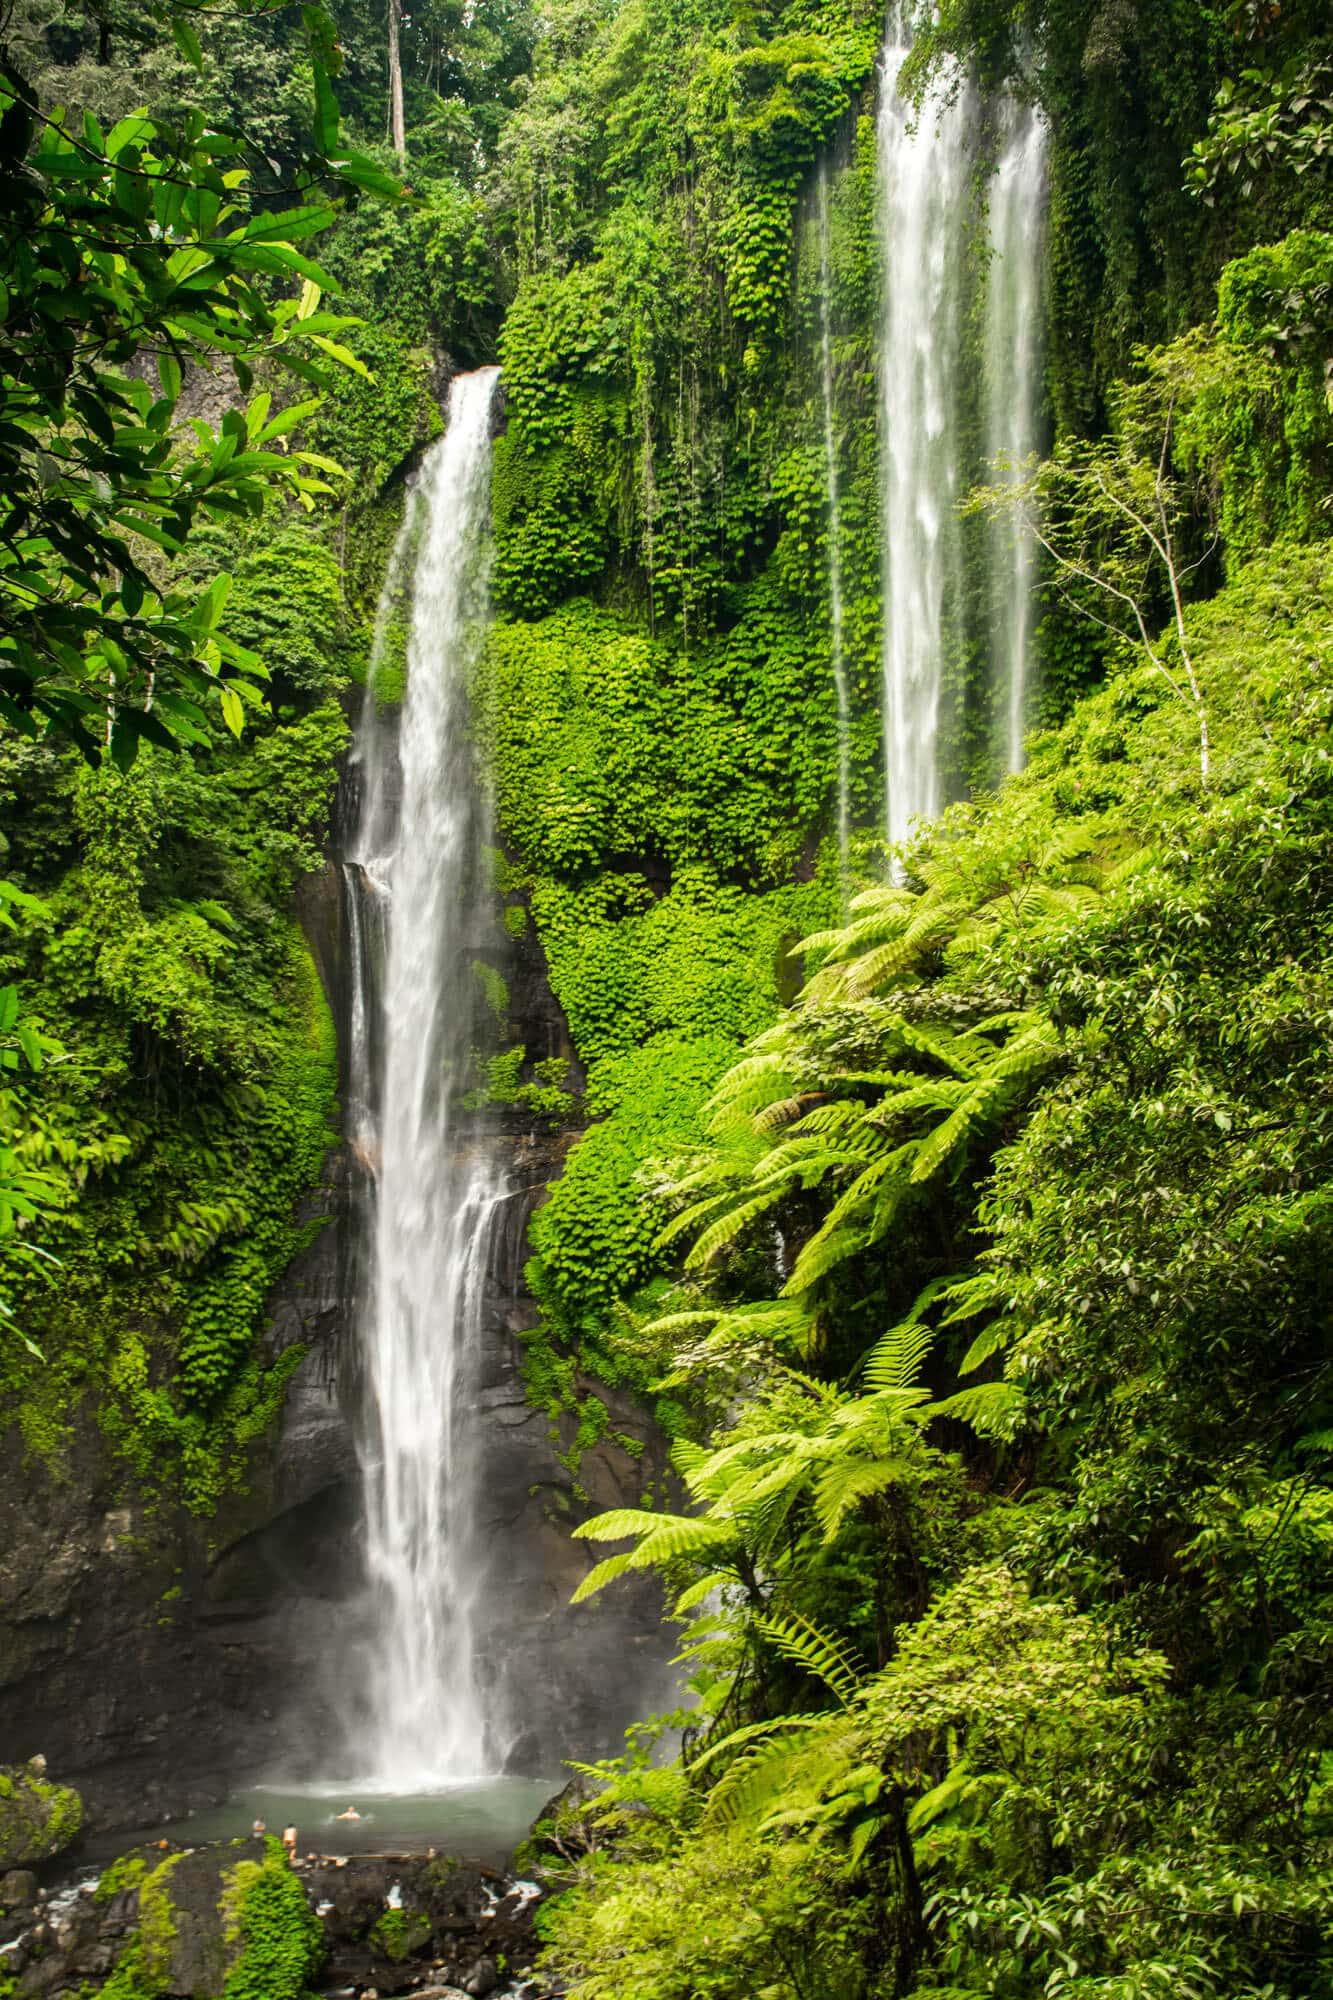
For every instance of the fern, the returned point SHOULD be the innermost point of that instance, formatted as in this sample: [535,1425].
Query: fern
[822,1254]
[894,1362]
[730,1225]
[823,1656]
[843,1485]
[992,1409]
[749,1734]
[603,1573]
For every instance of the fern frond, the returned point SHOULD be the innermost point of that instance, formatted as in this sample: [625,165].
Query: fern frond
[991,1408]
[749,1733]
[843,1485]
[618,1525]
[602,1574]
[894,1362]
[680,1539]
[820,1256]
[949,1050]
[821,1654]
[661,1537]
[941,1094]
[690,1218]
[784,1111]
[759,1779]
[829,1118]
[700,1590]
[729,1226]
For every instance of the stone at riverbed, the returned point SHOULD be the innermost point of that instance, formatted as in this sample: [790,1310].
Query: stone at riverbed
[37,1819]
[18,1889]
[485,1978]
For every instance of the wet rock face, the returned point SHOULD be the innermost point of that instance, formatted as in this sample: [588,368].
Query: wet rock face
[147,1653]
[159,1660]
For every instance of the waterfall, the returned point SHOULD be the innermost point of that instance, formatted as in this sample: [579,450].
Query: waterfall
[1017,202]
[834,536]
[925,166]
[415,903]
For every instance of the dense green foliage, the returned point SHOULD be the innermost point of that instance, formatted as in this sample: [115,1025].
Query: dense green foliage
[1009,1623]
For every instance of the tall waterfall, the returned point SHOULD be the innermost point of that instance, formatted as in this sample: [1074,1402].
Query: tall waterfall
[415,903]
[924,182]
[834,534]
[1017,200]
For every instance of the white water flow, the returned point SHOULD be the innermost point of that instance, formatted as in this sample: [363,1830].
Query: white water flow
[925,163]
[834,537]
[414,903]
[1013,308]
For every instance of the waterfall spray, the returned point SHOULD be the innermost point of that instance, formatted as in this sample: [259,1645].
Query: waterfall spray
[1017,199]
[834,538]
[414,867]
[924,182]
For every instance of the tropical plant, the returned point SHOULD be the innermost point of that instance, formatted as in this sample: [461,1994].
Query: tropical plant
[131,259]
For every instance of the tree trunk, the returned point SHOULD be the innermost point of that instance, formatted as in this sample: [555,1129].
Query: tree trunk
[397,127]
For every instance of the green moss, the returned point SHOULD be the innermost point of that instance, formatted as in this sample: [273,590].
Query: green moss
[143,1970]
[277,1939]
[399,1933]
[156,1935]
[38,1819]
[197,1103]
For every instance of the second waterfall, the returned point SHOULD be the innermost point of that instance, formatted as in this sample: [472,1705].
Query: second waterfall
[417,906]
[961,181]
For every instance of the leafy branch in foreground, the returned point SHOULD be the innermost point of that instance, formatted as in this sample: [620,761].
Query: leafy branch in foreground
[1111,520]
[127,259]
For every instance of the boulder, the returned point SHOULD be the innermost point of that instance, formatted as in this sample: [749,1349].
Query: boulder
[18,1889]
[37,1819]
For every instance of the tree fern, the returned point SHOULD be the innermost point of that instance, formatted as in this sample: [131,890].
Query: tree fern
[822,1655]
[992,1409]
[894,1362]
[845,1483]
[603,1573]
[729,1225]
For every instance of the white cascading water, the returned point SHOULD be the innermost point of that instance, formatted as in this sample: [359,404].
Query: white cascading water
[1013,346]
[414,899]
[834,536]
[925,170]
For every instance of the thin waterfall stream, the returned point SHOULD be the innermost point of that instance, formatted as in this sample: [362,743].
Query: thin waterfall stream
[836,638]
[416,904]
[1017,209]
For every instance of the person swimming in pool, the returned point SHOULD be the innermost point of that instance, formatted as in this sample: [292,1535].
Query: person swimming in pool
[351,1813]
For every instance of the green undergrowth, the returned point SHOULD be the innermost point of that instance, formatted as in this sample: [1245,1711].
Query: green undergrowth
[999,1614]
[188,1117]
